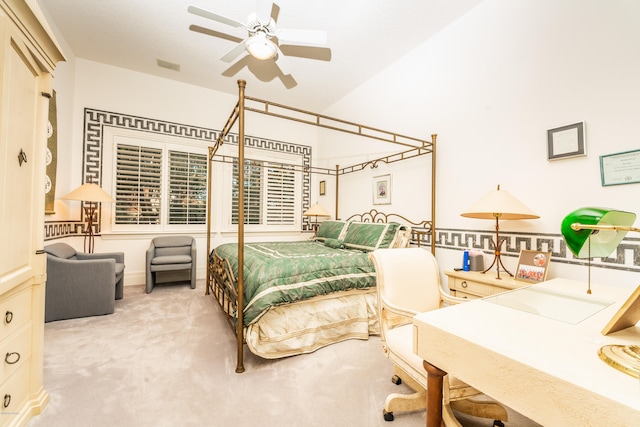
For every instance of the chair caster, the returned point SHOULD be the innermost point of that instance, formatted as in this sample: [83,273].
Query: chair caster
[396,380]
[498,423]
[388,416]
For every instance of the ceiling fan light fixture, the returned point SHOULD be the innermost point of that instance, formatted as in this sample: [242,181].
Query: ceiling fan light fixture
[260,47]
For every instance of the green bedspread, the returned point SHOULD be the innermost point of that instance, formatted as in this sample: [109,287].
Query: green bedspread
[284,272]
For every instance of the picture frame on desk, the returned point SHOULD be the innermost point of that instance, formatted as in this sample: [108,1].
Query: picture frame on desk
[533,266]
[627,316]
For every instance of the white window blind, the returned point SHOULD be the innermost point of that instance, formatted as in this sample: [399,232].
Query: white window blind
[138,185]
[187,188]
[253,189]
[281,192]
[270,194]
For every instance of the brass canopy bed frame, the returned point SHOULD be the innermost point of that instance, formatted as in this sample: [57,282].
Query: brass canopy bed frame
[228,290]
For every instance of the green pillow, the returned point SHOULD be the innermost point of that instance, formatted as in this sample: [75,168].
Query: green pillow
[334,243]
[370,236]
[330,229]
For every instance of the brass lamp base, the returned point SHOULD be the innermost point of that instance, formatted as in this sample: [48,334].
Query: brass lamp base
[625,358]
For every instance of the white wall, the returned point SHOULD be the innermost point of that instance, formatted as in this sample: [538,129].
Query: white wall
[491,85]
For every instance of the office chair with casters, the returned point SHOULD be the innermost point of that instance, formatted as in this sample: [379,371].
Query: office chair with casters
[408,283]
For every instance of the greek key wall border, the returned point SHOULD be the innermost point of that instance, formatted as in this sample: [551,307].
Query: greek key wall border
[625,257]
[96,120]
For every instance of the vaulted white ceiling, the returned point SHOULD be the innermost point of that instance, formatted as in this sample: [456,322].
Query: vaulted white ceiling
[364,37]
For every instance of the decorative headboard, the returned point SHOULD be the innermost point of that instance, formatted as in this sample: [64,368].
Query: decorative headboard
[418,229]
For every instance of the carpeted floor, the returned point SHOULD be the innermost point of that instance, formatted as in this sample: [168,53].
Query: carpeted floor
[168,359]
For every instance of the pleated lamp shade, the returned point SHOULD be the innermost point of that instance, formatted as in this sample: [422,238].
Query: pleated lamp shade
[499,204]
[316,210]
[89,193]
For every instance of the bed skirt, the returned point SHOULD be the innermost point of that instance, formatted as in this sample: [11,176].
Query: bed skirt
[308,325]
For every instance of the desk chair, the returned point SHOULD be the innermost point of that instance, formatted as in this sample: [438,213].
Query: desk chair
[408,283]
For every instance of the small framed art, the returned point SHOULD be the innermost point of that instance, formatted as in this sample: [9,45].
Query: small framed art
[533,266]
[323,188]
[566,141]
[382,190]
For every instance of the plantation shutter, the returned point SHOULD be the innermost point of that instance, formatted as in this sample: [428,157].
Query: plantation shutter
[138,184]
[252,192]
[187,188]
[280,196]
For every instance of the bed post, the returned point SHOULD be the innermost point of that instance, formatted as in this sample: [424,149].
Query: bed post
[240,303]
[209,179]
[337,192]
[433,193]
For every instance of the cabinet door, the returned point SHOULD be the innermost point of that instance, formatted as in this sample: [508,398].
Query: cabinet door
[21,161]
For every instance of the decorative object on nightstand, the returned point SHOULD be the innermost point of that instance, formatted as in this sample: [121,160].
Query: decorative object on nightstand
[499,204]
[596,232]
[91,194]
[316,211]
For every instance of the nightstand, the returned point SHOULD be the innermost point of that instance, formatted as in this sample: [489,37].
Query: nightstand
[475,284]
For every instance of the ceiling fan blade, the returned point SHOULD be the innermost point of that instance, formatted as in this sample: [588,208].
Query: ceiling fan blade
[263,11]
[234,53]
[214,16]
[214,33]
[282,62]
[302,37]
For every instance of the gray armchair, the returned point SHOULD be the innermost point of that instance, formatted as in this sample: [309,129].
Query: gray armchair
[81,284]
[171,253]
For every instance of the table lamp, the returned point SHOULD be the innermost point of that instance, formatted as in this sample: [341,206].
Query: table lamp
[499,204]
[316,211]
[91,194]
[595,232]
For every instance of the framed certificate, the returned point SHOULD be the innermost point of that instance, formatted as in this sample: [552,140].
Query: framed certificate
[620,168]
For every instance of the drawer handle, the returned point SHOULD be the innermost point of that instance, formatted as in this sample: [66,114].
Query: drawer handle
[464,284]
[22,157]
[9,358]
[7,401]
[8,317]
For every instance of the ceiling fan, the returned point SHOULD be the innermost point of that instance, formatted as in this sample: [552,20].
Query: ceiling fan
[262,30]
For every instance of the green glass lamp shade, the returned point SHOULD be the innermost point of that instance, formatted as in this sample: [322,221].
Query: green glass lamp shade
[602,242]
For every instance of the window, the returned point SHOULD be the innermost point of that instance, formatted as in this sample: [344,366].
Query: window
[187,188]
[269,194]
[138,185]
[158,185]
[272,190]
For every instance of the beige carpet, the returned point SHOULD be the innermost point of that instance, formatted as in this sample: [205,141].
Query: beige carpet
[168,359]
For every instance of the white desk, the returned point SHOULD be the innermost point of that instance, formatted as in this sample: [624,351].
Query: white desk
[546,369]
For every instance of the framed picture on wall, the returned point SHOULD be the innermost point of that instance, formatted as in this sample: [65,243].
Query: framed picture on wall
[382,190]
[323,188]
[533,266]
[566,141]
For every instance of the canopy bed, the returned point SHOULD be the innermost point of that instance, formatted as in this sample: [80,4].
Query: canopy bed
[328,282]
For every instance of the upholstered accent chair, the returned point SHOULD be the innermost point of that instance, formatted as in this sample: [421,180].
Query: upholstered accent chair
[408,283]
[81,284]
[171,253]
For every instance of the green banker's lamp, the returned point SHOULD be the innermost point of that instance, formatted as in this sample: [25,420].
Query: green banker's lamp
[596,232]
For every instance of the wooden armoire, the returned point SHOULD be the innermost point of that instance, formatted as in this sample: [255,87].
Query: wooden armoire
[28,56]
